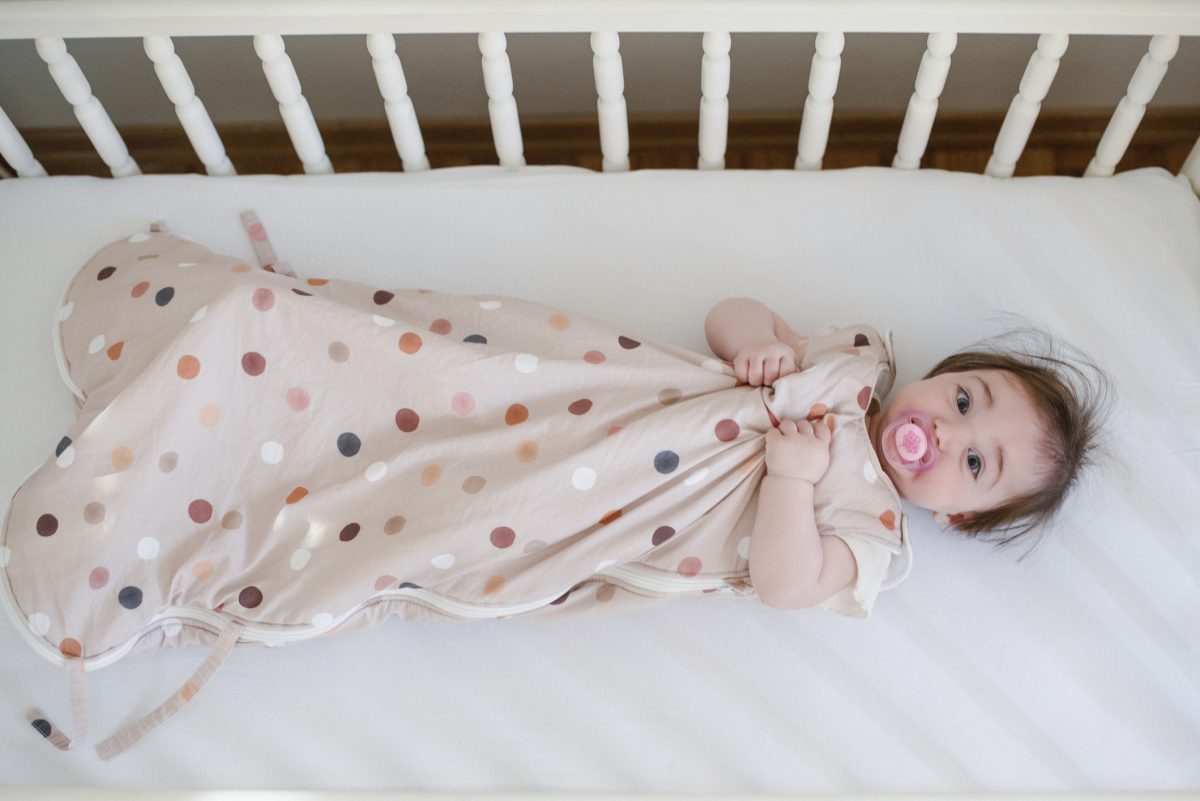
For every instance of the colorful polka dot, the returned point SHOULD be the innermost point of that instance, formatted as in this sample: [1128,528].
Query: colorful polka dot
[494,585]
[627,343]
[443,561]
[202,570]
[473,484]
[188,691]
[503,537]
[271,452]
[93,513]
[888,519]
[188,367]
[168,461]
[114,352]
[296,495]
[605,593]
[318,281]
[410,343]
[864,397]
[666,461]
[139,289]
[463,403]
[339,351]
[130,597]
[394,525]
[527,451]
[349,532]
[594,357]
[440,326]
[476,338]
[610,517]
[516,414]
[46,525]
[383,582]
[581,406]
[209,415]
[231,521]
[431,475]
[63,444]
[525,363]
[490,305]
[348,444]
[164,295]
[105,273]
[559,322]
[727,430]
[584,478]
[122,458]
[250,597]
[661,535]
[297,399]
[200,511]
[376,471]
[70,648]
[861,341]
[689,567]
[147,548]
[263,299]
[98,578]
[407,420]
[382,297]
[254,363]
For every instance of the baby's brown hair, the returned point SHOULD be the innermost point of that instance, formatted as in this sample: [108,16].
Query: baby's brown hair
[1072,407]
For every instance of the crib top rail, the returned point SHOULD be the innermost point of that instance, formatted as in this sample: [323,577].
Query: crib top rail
[25,19]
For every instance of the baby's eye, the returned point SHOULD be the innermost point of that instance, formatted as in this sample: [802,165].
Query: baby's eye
[961,398]
[974,463]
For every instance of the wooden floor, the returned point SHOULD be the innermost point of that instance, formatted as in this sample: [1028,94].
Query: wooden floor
[1062,143]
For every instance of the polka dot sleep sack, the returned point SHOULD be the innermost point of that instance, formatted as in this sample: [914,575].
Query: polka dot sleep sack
[261,458]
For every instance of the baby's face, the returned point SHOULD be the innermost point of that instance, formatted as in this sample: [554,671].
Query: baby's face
[986,433]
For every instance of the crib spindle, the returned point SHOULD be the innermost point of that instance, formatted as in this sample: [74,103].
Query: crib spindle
[922,106]
[293,107]
[88,109]
[714,101]
[818,106]
[1125,120]
[502,106]
[1024,109]
[191,112]
[610,102]
[16,152]
[402,117]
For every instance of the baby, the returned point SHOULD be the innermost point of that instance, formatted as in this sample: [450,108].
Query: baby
[986,441]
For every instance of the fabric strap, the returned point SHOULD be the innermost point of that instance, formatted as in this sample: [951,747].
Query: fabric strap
[262,245]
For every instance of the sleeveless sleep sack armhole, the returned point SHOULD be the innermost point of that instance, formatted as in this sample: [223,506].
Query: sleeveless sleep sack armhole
[857,600]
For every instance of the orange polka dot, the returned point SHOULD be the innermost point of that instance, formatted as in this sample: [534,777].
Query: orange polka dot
[888,519]
[188,691]
[440,326]
[818,411]
[410,342]
[516,414]
[611,516]
[122,458]
[140,289]
[297,495]
[202,570]
[559,322]
[188,368]
[114,351]
[210,415]
[494,585]
[613,430]
[431,475]
[318,281]
[70,648]
[241,268]
[527,451]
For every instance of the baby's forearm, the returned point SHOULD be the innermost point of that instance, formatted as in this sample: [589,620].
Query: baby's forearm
[785,546]
[736,322]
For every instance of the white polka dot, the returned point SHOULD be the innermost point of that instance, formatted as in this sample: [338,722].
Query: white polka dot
[489,304]
[187,264]
[5,555]
[744,547]
[696,477]
[65,311]
[173,628]
[376,471]
[67,457]
[605,564]
[869,472]
[300,558]
[139,237]
[383,322]
[584,478]
[147,547]
[443,562]
[97,344]
[39,624]
[717,367]
[272,452]
[526,362]
[198,316]
[321,619]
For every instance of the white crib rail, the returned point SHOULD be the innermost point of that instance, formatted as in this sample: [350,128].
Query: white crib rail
[49,21]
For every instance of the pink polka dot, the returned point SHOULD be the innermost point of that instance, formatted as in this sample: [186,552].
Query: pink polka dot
[727,430]
[140,289]
[503,537]
[462,403]
[263,299]
[594,357]
[200,510]
[689,567]
[383,582]
[297,399]
[98,578]
[257,233]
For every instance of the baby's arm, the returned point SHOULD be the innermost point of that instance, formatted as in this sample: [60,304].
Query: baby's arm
[759,343]
[791,565]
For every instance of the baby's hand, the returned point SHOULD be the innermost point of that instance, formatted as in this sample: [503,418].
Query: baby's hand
[764,363]
[798,449]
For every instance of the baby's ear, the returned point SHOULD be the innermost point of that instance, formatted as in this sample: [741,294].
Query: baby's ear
[951,519]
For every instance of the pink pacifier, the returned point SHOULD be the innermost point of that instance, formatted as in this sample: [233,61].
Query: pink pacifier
[908,443]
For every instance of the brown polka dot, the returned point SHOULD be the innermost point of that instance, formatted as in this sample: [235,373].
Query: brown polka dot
[139,289]
[188,367]
[318,281]
[200,511]
[46,525]
[339,351]
[431,475]
[250,597]
[105,273]
[627,343]
[407,420]
[610,517]
[516,414]
[188,691]
[669,396]
[527,451]
[297,495]
[122,458]
[202,570]
[727,430]
[410,342]
[559,322]
[93,513]
[605,593]
[581,406]
[231,521]
[382,297]
[503,537]
[473,484]
[263,299]
[254,363]
[594,357]
[861,341]
[888,519]
[864,397]
[689,567]
[70,648]
[394,525]
[114,351]
[98,577]
[494,585]
[168,461]
[440,326]
[818,411]
[661,535]
[349,532]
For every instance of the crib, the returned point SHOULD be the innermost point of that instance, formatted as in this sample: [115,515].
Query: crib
[1076,670]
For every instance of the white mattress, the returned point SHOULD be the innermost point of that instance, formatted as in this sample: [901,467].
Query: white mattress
[1077,669]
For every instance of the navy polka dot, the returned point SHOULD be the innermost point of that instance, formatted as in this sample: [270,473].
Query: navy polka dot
[43,726]
[666,461]
[63,444]
[348,444]
[476,338]
[164,295]
[130,597]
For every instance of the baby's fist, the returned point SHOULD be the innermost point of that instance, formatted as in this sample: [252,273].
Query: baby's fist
[799,449]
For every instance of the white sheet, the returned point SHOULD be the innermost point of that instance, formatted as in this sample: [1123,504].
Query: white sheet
[1077,669]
